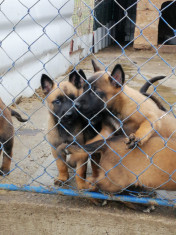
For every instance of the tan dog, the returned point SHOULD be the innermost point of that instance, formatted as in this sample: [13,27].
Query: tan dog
[153,166]
[7,135]
[141,117]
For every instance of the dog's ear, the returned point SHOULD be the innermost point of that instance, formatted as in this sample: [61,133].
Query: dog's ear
[46,83]
[77,78]
[117,77]
[95,66]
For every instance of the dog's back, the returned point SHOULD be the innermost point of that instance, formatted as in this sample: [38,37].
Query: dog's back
[152,166]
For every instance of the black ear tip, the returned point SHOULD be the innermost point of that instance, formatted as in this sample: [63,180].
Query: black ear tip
[81,72]
[95,66]
[45,77]
[72,74]
[118,74]
[118,66]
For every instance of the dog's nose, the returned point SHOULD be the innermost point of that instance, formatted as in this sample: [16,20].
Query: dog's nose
[77,104]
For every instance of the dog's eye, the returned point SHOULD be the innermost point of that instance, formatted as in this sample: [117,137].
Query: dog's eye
[99,93]
[56,101]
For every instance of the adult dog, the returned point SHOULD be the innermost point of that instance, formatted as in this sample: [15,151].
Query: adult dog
[7,135]
[141,117]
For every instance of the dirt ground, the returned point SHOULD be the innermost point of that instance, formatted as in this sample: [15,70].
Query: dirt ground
[32,162]
[31,213]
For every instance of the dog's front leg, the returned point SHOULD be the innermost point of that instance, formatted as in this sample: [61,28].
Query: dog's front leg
[81,163]
[81,169]
[144,132]
[61,166]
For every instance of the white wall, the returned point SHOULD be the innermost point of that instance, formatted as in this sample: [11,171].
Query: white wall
[27,51]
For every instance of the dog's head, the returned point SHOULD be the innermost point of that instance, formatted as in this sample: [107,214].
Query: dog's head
[60,96]
[101,88]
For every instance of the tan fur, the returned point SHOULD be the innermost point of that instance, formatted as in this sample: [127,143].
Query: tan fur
[155,175]
[136,110]
[153,167]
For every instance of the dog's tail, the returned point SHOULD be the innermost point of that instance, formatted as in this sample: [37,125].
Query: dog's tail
[146,86]
[17,115]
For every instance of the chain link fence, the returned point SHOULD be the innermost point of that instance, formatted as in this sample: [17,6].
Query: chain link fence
[63,127]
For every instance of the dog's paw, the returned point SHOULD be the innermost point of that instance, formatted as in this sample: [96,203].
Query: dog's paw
[90,181]
[132,141]
[60,181]
[82,185]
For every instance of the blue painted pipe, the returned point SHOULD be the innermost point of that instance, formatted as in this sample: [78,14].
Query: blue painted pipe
[70,192]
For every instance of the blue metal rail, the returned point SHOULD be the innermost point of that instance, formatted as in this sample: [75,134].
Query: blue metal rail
[70,192]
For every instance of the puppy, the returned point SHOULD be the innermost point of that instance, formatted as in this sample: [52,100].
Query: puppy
[152,166]
[64,121]
[66,124]
[7,135]
[139,117]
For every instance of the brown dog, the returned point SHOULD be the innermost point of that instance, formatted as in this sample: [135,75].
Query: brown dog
[7,135]
[140,116]
[152,166]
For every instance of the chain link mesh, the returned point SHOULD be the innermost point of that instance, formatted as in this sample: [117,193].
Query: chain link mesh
[53,37]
